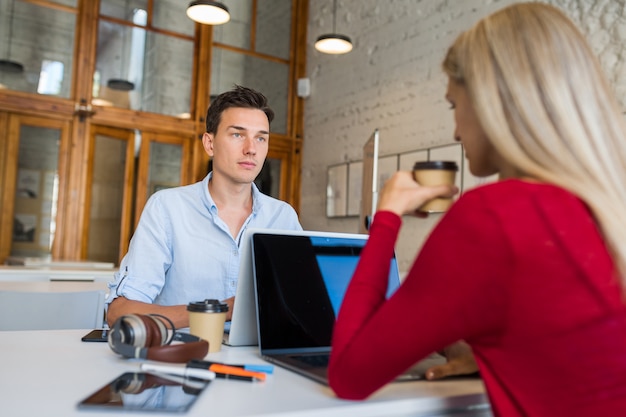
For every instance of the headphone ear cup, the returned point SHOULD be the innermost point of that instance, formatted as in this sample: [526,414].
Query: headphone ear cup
[134,330]
[164,330]
[153,331]
[127,337]
[114,338]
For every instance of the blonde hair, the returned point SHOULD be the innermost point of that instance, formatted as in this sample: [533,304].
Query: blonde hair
[546,106]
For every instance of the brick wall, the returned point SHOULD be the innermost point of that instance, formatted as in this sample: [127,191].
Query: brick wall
[392,81]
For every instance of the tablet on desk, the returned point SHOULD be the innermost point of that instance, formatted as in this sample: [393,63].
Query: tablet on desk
[140,391]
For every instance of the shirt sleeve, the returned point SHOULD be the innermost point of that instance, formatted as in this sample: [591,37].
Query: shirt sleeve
[291,218]
[274,213]
[141,276]
[455,290]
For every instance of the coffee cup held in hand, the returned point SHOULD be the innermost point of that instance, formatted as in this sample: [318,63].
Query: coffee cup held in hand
[431,173]
[206,320]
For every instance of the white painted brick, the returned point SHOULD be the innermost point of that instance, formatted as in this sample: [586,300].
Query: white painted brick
[392,81]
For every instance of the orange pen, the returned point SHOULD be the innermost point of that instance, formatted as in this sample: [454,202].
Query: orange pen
[233,370]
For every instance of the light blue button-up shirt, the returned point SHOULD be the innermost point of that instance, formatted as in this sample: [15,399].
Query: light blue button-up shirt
[183,252]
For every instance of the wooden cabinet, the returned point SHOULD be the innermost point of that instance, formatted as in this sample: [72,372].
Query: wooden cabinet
[92,155]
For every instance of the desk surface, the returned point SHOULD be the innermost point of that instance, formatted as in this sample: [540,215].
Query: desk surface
[25,273]
[47,373]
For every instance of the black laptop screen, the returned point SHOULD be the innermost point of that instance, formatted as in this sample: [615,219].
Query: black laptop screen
[300,284]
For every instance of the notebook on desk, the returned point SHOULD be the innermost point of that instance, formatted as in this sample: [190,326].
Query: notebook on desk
[300,279]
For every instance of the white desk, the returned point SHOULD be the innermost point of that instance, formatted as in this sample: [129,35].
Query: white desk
[54,274]
[46,373]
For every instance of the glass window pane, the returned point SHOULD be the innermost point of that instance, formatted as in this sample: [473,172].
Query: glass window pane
[270,78]
[155,68]
[167,75]
[273,28]
[71,3]
[107,198]
[31,35]
[119,63]
[237,31]
[36,193]
[122,9]
[165,166]
[171,15]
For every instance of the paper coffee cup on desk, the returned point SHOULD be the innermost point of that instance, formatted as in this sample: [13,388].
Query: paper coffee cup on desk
[431,173]
[206,320]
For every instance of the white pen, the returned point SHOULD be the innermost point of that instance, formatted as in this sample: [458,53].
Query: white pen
[178,370]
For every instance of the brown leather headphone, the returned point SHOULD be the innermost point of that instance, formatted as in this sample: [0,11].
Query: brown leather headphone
[150,337]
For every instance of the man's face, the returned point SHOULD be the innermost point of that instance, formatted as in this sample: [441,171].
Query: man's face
[240,145]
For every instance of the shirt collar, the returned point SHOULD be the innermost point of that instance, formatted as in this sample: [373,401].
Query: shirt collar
[256,195]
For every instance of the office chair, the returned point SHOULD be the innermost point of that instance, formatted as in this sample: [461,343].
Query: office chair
[30,310]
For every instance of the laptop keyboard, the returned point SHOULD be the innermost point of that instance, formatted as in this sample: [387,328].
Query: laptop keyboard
[316,361]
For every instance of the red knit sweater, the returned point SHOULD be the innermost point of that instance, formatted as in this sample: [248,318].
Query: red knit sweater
[519,270]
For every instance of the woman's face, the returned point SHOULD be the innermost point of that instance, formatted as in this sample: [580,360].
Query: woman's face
[479,152]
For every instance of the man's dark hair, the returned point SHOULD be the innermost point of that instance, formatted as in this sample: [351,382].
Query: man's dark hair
[239,97]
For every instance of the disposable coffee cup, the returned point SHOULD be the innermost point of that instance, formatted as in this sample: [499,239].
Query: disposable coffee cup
[206,320]
[431,173]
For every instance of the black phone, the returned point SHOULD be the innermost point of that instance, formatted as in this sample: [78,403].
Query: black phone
[97,335]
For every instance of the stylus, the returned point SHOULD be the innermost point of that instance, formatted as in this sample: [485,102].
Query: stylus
[177,370]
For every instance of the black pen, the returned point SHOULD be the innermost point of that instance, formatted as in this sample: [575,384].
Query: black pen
[236,377]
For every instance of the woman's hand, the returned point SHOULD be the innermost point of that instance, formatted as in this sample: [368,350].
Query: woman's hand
[460,361]
[401,194]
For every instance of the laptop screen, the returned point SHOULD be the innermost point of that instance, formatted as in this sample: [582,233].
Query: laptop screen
[300,283]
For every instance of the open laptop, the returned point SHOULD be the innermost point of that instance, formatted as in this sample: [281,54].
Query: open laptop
[300,280]
[242,330]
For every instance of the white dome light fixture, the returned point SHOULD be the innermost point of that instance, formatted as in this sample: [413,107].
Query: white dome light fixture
[208,12]
[334,43]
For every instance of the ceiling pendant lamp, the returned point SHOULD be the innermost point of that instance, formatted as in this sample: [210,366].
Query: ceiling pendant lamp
[208,12]
[7,64]
[122,84]
[13,67]
[334,43]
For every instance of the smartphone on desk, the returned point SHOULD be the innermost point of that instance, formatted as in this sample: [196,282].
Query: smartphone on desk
[97,335]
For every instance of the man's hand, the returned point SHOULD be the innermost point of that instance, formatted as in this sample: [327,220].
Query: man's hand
[231,304]
[460,361]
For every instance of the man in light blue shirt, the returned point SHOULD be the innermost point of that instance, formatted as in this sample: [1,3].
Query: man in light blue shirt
[186,246]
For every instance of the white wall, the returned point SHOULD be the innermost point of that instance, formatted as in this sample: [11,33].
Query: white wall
[392,81]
